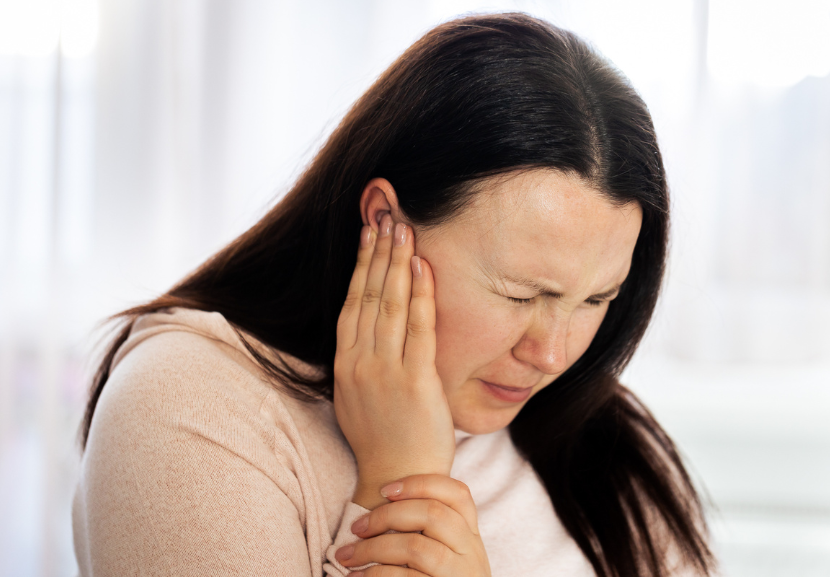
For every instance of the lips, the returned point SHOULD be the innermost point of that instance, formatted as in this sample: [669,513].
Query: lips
[507,387]
[505,393]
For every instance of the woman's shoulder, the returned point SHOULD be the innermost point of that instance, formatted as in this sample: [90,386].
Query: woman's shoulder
[193,448]
[180,361]
[187,370]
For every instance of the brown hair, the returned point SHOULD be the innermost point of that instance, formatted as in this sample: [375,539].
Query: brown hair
[474,98]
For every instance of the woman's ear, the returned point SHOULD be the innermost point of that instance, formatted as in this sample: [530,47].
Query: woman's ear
[377,199]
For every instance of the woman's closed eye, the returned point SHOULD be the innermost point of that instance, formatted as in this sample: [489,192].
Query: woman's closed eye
[520,301]
[590,302]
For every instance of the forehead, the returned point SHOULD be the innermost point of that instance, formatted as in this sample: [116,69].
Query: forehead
[552,226]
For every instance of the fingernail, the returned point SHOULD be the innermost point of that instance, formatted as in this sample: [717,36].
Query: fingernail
[386,225]
[360,525]
[365,236]
[380,214]
[344,553]
[416,266]
[400,234]
[392,489]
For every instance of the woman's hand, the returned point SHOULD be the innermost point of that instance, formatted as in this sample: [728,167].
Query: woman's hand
[438,506]
[388,397]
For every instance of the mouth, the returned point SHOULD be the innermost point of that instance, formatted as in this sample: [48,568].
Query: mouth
[508,394]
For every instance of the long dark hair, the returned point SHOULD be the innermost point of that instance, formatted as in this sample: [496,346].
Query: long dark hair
[474,98]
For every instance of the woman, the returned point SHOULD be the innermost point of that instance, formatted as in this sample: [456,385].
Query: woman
[446,402]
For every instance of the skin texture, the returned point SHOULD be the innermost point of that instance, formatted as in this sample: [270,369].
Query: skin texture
[420,335]
[388,397]
[438,506]
[544,225]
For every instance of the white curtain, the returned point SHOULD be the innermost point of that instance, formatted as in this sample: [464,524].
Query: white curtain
[163,128]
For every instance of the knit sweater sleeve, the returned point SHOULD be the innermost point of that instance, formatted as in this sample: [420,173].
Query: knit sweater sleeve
[182,475]
[344,536]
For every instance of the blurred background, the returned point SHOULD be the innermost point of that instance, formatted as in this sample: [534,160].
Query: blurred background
[139,136]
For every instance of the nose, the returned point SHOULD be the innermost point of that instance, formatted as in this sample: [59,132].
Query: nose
[544,343]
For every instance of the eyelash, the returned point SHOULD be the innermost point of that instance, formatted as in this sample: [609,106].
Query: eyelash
[519,301]
[593,303]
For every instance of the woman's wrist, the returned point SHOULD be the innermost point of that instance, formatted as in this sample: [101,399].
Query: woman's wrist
[368,493]
[368,496]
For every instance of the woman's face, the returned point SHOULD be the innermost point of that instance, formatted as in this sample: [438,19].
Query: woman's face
[540,236]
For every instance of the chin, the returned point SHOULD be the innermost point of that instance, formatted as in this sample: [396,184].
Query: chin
[482,421]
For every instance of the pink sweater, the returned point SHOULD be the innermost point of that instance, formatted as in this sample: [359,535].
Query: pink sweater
[197,465]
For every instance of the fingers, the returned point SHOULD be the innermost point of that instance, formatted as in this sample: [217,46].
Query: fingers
[433,518]
[451,492]
[388,571]
[347,322]
[372,292]
[419,351]
[390,304]
[390,330]
[417,551]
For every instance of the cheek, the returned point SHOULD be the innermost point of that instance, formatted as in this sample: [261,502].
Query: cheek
[583,328]
[470,333]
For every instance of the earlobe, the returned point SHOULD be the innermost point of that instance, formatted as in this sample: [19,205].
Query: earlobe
[377,199]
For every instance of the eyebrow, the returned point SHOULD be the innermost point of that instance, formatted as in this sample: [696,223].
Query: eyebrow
[543,289]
